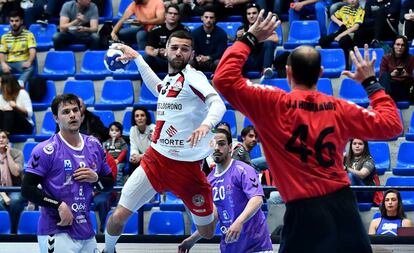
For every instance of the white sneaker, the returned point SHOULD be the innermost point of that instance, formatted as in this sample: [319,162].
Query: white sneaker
[26,4]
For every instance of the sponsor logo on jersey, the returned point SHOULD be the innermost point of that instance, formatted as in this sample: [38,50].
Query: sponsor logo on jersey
[49,149]
[198,200]
[171,131]
[78,207]
[67,165]
[175,89]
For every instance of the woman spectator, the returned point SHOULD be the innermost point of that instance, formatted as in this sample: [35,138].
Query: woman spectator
[392,215]
[361,168]
[11,168]
[139,135]
[396,71]
[15,107]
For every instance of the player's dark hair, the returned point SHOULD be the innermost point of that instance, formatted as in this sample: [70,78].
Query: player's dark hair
[209,8]
[305,62]
[181,34]
[226,133]
[147,115]
[175,6]
[16,13]
[400,208]
[117,125]
[246,131]
[63,99]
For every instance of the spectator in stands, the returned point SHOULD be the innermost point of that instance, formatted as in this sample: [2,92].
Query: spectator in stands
[157,39]
[407,19]
[91,124]
[18,49]
[140,135]
[117,148]
[11,172]
[380,22]
[392,215]
[261,57]
[396,71]
[104,200]
[242,150]
[78,24]
[148,13]
[306,7]
[348,18]
[15,107]
[361,168]
[210,41]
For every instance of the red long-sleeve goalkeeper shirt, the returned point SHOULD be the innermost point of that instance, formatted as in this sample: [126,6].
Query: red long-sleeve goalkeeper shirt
[304,132]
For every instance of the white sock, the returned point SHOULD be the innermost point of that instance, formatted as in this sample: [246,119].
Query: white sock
[110,241]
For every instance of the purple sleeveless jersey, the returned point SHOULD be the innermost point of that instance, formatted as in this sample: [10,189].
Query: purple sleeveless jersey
[55,160]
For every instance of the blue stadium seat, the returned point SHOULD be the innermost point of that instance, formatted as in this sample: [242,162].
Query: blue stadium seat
[107,117]
[5,225]
[81,88]
[93,67]
[333,62]
[126,121]
[407,196]
[405,160]
[354,92]
[28,222]
[59,65]
[411,51]
[123,4]
[364,207]
[380,152]
[280,83]
[27,151]
[409,136]
[247,122]
[279,32]
[48,127]
[172,203]
[166,223]
[94,222]
[376,215]
[146,98]
[4,28]
[256,152]
[253,74]
[116,95]
[324,85]
[132,225]
[380,54]
[108,13]
[230,117]
[24,137]
[304,32]
[192,25]
[231,29]
[43,35]
[47,99]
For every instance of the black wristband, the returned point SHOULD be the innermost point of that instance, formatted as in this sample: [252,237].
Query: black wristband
[249,39]
[369,81]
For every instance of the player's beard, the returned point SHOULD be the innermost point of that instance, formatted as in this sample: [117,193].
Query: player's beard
[178,64]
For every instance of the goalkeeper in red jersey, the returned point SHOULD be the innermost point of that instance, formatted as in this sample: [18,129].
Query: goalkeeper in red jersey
[303,135]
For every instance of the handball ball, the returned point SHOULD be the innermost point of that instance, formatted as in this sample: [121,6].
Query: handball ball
[112,64]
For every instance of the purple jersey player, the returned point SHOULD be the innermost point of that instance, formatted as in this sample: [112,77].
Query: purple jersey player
[237,196]
[67,166]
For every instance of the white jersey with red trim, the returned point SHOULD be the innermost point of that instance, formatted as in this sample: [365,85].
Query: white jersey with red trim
[181,109]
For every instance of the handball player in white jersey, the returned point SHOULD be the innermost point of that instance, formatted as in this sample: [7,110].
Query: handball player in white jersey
[187,108]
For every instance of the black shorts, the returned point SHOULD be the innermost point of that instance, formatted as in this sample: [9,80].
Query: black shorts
[328,224]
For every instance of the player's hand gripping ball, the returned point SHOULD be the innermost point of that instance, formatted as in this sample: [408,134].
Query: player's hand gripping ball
[112,64]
